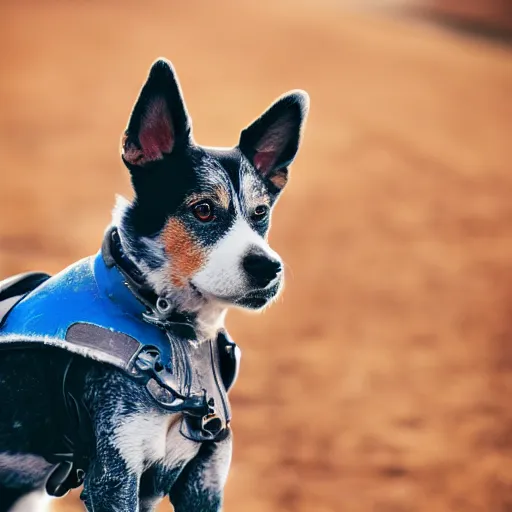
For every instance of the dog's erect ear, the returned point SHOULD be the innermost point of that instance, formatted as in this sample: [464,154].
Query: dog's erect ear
[159,120]
[271,142]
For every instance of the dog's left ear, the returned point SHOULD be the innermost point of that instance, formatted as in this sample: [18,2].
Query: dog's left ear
[159,121]
[271,142]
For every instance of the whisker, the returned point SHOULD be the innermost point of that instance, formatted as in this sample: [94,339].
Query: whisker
[288,269]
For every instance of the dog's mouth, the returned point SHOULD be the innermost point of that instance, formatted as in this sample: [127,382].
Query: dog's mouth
[254,299]
[258,298]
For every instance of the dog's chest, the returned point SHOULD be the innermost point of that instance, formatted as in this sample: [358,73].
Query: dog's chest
[146,439]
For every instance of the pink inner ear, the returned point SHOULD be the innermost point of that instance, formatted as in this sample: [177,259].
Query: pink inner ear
[264,161]
[156,134]
[272,143]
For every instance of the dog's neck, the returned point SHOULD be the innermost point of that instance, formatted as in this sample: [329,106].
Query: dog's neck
[207,315]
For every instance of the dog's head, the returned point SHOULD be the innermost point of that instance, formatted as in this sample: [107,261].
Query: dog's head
[198,223]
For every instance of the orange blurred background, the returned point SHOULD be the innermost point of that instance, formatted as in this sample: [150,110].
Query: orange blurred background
[381,381]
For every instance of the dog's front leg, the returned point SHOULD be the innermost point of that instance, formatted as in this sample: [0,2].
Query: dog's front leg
[113,477]
[110,486]
[200,486]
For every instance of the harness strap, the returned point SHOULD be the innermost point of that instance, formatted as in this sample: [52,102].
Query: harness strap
[70,468]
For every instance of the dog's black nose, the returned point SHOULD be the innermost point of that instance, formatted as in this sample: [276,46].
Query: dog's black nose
[261,269]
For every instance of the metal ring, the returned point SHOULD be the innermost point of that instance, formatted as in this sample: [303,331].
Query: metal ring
[163,305]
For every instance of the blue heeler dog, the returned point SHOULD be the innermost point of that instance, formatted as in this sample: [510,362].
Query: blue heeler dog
[114,373]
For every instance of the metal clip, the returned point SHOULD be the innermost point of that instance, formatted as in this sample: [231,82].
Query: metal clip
[149,363]
[155,318]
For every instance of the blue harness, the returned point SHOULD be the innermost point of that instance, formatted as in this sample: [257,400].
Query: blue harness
[87,292]
[99,308]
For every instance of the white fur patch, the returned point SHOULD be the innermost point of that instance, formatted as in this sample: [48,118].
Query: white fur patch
[223,274]
[143,439]
[37,501]
[119,211]
[216,473]
[179,449]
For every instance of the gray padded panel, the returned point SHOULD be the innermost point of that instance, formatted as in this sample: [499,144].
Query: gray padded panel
[92,336]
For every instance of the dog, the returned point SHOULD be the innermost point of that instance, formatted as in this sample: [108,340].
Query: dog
[195,236]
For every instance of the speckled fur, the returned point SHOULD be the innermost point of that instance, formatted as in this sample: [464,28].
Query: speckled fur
[137,453]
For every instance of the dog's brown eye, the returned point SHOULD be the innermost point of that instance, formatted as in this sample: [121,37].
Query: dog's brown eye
[260,212]
[203,211]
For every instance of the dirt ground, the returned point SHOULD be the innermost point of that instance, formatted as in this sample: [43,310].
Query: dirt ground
[381,380]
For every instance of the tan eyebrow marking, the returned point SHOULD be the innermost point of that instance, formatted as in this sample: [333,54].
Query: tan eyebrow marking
[219,195]
[223,196]
[279,178]
[257,200]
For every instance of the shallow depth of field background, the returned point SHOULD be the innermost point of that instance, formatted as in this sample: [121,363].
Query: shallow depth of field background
[381,381]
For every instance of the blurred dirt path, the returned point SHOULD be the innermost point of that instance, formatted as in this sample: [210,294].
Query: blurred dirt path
[381,380]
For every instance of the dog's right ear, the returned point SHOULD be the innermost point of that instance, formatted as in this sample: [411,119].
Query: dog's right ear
[272,141]
[159,121]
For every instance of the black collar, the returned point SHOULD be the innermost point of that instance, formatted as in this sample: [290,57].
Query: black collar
[160,310]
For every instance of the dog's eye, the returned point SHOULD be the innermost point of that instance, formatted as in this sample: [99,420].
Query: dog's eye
[260,212]
[203,211]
